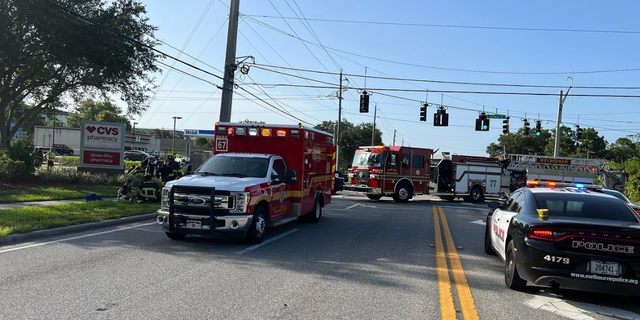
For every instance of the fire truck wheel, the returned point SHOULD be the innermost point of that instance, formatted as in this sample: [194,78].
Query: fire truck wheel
[258,227]
[175,236]
[476,194]
[374,196]
[403,193]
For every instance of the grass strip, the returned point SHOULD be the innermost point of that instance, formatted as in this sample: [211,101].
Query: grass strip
[45,193]
[39,218]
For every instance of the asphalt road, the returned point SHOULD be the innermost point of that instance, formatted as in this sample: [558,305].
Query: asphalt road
[364,260]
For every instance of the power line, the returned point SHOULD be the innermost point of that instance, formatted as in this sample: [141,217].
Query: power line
[435,67]
[262,67]
[448,25]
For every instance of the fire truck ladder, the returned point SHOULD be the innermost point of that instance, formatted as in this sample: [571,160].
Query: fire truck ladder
[523,162]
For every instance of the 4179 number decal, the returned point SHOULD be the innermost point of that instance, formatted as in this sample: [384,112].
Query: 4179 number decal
[556,259]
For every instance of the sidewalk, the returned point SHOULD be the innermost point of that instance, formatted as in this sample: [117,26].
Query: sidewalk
[18,205]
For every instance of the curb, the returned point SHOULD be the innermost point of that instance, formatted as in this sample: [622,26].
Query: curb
[34,235]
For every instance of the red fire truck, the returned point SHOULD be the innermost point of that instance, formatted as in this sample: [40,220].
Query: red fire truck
[400,172]
[260,176]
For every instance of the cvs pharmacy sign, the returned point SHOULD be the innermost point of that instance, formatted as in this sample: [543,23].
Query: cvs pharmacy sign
[102,135]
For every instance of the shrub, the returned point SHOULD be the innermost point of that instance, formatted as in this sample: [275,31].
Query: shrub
[130,164]
[69,161]
[23,152]
[14,170]
[72,175]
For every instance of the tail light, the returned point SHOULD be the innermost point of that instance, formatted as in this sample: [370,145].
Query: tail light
[541,233]
[638,211]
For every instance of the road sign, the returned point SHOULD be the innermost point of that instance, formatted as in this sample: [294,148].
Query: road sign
[496,116]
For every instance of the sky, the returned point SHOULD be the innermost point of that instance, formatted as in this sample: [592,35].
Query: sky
[423,53]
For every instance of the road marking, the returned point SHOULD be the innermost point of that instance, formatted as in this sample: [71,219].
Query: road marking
[267,241]
[467,305]
[480,222]
[447,310]
[78,237]
[351,207]
[577,310]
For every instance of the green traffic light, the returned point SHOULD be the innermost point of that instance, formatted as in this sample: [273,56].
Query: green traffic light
[538,133]
[485,127]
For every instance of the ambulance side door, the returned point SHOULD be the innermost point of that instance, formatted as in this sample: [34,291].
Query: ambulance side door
[280,204]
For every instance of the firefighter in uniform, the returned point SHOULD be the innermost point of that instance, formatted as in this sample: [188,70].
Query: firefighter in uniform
[174,165]
[148,190]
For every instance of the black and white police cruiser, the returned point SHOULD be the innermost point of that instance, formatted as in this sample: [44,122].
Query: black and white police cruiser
[566,236]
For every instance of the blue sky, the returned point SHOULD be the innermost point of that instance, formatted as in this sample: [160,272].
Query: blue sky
[495,50]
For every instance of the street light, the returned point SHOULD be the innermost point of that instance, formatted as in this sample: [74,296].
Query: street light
[173,143]
[134,136]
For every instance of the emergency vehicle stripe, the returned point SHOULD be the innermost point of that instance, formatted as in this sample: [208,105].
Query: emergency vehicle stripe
[467,305]
[447,310]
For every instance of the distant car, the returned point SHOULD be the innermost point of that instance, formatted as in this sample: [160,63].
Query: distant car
[339,182]
[622,197]
[62,149]
[136,155]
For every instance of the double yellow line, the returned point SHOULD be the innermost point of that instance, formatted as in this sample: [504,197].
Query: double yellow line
[447,309]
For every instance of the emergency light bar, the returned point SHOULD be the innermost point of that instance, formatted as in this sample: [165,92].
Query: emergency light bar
[551,184]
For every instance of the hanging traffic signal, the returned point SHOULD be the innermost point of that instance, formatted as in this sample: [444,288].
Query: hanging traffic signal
[526,127]
[578,132]
[441,118]
[482,123]
[505,126]
[538,127]
[364,102]
[423,112]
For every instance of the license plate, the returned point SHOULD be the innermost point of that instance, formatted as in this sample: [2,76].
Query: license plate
[194,224]
[604,267]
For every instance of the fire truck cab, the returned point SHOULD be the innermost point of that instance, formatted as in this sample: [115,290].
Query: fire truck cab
[468,177]
[259,176]
[400,172]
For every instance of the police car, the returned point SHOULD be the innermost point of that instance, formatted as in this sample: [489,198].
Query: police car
[566,236]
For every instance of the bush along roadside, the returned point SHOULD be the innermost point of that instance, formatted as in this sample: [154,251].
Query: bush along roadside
[17,162]
[39,218]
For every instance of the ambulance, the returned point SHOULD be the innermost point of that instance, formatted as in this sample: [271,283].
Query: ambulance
[260,176]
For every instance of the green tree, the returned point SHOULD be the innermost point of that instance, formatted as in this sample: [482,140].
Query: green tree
[352,137]
[592,145]
[517,143]
[201,142]
[50,56]
[567,142]
[622,150]
[96,111]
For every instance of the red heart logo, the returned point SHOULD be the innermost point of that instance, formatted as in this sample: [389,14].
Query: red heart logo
[91,129]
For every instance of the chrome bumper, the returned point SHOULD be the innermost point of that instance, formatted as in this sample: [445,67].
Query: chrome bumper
[362,188]
[231,222]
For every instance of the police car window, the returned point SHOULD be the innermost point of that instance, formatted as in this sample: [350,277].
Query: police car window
[512,198]
[584,206]
[514,205]
[278,170]
[520,201]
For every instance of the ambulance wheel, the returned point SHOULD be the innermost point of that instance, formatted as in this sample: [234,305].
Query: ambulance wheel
[511,277]
[258,226]
[403,193]
[476,194]
[175,236]
[126,159]
[374,196]
[316,214]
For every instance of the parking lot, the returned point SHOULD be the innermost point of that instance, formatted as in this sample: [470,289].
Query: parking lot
[363,260]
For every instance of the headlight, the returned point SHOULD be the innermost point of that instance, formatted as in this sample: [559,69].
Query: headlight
[242,201]
[165,198]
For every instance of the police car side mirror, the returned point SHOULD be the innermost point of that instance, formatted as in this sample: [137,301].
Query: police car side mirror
[290,176]
[494,205]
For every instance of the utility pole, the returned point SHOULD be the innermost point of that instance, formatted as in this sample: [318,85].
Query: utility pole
[556,149]
[230,62]
[394,137]
[373,133]
[339,124]
[173,142]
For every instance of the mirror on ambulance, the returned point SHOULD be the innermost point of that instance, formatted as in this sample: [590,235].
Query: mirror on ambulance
[290,176]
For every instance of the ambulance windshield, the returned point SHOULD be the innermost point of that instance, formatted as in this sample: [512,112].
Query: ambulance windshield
[235,167]
[366,159]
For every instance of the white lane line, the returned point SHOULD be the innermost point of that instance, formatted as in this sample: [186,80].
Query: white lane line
[351,207]
[480,222]
[78,237]
[266,241]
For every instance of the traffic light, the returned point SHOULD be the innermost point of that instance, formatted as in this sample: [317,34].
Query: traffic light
[423,112]
[578,132]
[482,123]
[538,127]
[526,127]
[505,126]
[441,118]
[364,102]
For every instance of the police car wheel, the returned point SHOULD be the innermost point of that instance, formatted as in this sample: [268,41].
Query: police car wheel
[488,248]
[258,227]
[175,236]
[126,159]
[511,277]
[403,193]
